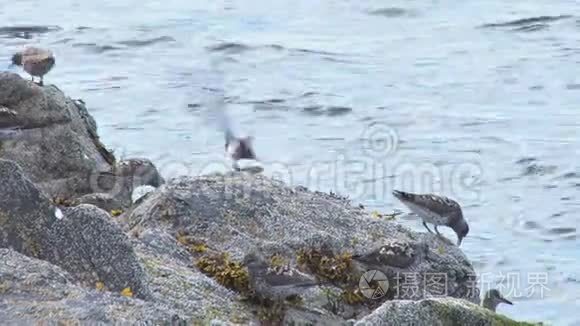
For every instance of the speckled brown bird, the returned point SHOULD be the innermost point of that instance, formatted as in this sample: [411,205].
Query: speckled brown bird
[492,299]
[437,210]
[276,284]
[35,61]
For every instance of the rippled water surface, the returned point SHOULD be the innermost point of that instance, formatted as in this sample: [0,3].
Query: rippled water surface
[477,100]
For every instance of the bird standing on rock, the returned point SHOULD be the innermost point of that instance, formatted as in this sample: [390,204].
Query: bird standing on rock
[276,283]
[492,299]
[35,61]
[437,210]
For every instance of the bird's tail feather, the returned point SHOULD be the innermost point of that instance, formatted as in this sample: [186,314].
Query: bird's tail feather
[10,133]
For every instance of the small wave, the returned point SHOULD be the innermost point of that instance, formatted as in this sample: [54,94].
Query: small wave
[276,47]
[314,51]
[95,48]
[569,175]
[562,230]
[230,47]
[141,43]
[392,12]
[331,111]
[26,32]
[532,28]
[338,110]
[573,86]
[526,160]
[313,109]
[268,101]
[63,41]
[308,94]
[527,21]
[537,169]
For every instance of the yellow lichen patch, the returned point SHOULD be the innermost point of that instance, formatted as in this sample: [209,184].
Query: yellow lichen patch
[199,248]
[271,314]
[277,261]
[330,267]
[192,245]
[99,286]
[4,287]
[127,292]
[228,273]
[116,212]
[61,201]
[352,296]
[441,250]
[391,216]
[183,238]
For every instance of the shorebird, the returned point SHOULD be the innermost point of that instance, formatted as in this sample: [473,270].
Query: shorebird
[492,299]
[437,210]
[35,61]
[236,148]
[276,283]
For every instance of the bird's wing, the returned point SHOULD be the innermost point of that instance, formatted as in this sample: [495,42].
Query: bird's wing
[32,51]
[218,106]
[297,280]
[33,59]
[440,205]
[437,204]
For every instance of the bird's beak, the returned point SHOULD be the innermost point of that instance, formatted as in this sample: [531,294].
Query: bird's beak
[506,300]
[459,241]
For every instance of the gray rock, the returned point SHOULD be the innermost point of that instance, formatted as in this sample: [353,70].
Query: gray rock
[239,212]
[59,153]
[83,240]
[103,201]
[57,145]
[33,291]
[435,312]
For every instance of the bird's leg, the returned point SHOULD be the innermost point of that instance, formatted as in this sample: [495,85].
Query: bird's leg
[235,165]
[425,225]
[437,231]
[32,78]
[41,83]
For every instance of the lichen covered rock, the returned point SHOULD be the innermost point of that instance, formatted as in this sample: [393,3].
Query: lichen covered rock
[81,240]
[58,148]
[434,312]
[33,291]
[320,234]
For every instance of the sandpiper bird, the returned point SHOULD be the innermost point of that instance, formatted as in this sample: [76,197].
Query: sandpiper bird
[236,148]
[437,210]
[492,299]
[239,148]
[276,283]
[35,61]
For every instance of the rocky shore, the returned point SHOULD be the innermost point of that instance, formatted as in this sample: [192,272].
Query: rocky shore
[76,247]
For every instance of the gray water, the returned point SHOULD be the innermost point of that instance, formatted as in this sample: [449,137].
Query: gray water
[357,97]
